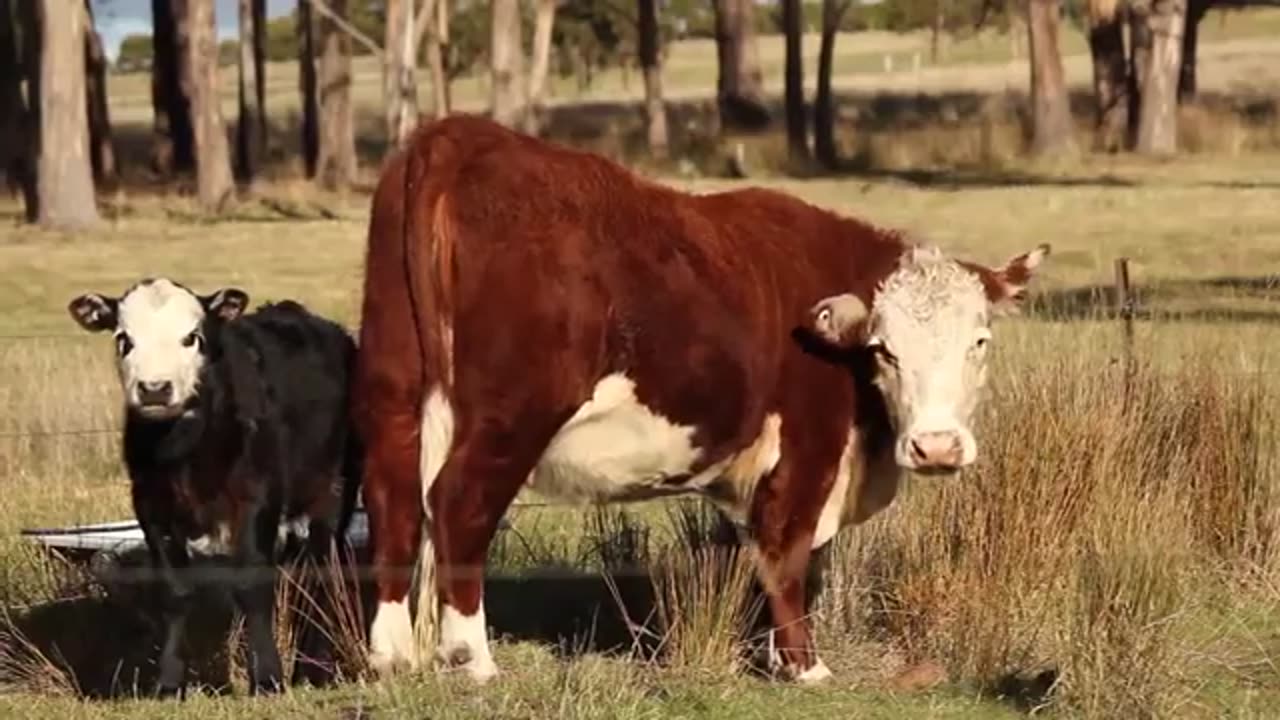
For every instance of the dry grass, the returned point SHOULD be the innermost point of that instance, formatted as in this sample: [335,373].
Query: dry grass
[1087,541]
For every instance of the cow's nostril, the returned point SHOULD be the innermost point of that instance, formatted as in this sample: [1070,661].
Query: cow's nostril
[155,393]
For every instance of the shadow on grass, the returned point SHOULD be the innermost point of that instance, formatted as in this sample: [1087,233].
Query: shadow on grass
[107,641]
[617,129]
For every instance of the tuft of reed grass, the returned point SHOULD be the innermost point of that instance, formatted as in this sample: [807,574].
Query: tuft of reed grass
[704,593]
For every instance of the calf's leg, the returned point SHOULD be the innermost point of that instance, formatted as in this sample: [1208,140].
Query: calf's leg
[253,586]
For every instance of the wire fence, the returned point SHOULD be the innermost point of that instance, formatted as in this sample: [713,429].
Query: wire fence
[1117,303]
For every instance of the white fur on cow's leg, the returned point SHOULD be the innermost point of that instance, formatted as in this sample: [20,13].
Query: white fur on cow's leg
[817,673]
[464,643]
[391,646]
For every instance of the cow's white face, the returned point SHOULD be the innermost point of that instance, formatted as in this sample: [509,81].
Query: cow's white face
[159,328]
[928,330]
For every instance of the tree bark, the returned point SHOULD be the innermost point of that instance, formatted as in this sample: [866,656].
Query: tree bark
[337,153]
[824,135]
[437,40]
[797,134]
[65,174]
[17,117]
[508,100]
[1139,59]
[399,85]
[650,44]
[1158,125]
[213,159]
[307,87]
[739,86]
[1196,10]
[102,153]
[544,23]
[251,129]
[1050,106]
[1110,76]
[173,141]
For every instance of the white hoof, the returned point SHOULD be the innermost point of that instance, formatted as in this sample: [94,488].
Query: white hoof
[464,645]
[815,675]
[391,643]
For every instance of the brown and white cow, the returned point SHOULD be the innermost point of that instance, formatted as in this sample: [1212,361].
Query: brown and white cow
[538,316]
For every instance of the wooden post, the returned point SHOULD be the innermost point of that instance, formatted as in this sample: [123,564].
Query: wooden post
[1125,305]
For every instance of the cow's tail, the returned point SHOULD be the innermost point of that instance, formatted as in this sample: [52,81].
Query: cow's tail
[429,265]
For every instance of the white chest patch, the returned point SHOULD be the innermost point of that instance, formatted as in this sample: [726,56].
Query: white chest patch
[216,543]
[615,448]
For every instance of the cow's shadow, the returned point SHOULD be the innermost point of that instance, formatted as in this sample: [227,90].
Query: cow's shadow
[106,640]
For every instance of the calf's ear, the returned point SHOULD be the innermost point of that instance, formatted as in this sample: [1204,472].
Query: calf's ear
[834,318]
[226,304]
[93,312]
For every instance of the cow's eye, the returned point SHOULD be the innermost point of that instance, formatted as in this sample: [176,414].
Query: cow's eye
[123,344]
[982,341]
[192,338]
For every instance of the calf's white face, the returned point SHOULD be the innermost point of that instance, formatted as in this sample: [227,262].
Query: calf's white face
[159,329]
[928,330]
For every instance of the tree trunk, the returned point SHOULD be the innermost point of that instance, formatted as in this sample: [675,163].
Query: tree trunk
[1158,125]
[1139,59]
[935,31]
[506,64]
[65,173]
[544,23]
[213,159]
[797,135]
[251,129]
[824,135]
[1110,75]
[102,153]
[1050,106]
[173,142]
[337,152]
[655,108]
[437,41]
[399,84]
[739,86]
[1196,10]
[17,117]
[307,87]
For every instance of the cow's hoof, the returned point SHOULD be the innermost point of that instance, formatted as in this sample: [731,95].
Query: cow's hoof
[166,691]
[479,667]
[817,674]
[388,664]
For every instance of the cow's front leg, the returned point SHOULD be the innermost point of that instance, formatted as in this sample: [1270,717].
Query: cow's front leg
[171,563]
[784,521]
[253,587]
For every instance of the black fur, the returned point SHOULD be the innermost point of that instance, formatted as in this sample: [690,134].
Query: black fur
[266,439]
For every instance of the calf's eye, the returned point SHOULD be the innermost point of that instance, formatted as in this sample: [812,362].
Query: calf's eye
[123,344]
[192,338]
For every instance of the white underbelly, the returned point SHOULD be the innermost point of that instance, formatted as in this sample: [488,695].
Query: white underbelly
[615,448]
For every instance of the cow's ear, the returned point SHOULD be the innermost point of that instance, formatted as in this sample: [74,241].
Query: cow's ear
[227,303]
[1011,281]
[93,312]
[834,318]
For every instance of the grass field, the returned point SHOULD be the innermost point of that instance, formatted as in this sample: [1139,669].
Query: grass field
[1123,544]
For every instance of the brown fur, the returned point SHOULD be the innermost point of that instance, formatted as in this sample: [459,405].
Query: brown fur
[555,268]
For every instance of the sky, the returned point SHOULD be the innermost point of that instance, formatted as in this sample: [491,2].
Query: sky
[117,19]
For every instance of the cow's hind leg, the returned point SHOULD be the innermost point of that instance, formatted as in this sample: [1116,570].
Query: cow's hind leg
[476,485]
[394,505]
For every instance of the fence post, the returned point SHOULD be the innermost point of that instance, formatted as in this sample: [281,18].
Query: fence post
[1125,304]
